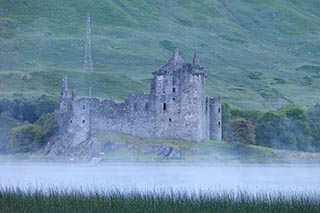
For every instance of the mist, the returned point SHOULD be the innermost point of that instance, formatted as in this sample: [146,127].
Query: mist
[273,179]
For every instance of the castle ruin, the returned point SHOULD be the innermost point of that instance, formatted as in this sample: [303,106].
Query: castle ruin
[176,107]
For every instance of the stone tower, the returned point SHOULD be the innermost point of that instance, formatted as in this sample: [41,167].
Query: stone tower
[179,98]
[73,117]
[87,54]
[215,118]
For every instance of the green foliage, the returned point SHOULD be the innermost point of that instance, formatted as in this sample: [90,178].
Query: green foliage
[241,132]
[114,200]
[291,127]
[24,138]
[279,81]
[314,121]
[31,137]
[255,75]
[293,112]
[272,130]
[6,123]
[29,110]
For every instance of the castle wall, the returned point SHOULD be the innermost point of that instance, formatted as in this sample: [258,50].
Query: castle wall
[177,107]
[215,118]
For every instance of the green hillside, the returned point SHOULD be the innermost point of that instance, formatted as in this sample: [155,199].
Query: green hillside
[259,54]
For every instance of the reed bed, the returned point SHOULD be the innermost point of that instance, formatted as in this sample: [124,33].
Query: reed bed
[82,200]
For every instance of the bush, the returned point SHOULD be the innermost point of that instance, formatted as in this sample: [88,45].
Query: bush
[241,131]
[24,138]
[28,109]
[314,122]
[290,127]
[31,137]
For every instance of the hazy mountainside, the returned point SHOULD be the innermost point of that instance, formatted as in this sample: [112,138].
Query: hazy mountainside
[259,54]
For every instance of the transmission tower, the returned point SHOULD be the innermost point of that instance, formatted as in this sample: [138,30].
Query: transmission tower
[87,54]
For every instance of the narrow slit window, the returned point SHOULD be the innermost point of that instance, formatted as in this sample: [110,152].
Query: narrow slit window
[147,106]
[83,106]
[219,110]
[173,99]
[70,121]
[170,120]
[173,89]
[164,106]
[219,123]
[83,121]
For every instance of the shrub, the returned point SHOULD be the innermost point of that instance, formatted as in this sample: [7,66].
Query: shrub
[31,137]
[24,138]
[241,131]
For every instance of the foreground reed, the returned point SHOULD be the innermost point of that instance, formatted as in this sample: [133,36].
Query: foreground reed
[57,200]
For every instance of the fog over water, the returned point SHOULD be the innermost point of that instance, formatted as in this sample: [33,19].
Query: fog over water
[190,177]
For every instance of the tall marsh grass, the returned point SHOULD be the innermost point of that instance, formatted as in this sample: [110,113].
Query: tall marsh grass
[57,200]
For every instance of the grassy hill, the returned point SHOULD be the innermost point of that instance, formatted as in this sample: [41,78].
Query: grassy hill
[259,54]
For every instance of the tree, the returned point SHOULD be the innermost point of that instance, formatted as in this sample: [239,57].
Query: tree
[314,122]
[241,131]
[31,137]
[273,130]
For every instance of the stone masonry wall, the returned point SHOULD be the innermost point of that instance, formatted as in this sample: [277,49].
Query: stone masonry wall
[177,107]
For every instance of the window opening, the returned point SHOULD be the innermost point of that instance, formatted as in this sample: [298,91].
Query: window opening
[135,106]
[219,110]
[219,123]
[173,89]
[170,120]
[173,99]
[164,106]
[147,106]
[83,121]
[83,106]
[70,121]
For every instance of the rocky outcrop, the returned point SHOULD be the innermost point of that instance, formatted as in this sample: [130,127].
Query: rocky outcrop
[90,148]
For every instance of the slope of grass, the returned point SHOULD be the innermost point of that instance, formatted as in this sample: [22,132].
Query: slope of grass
[122,147]
[131,39]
